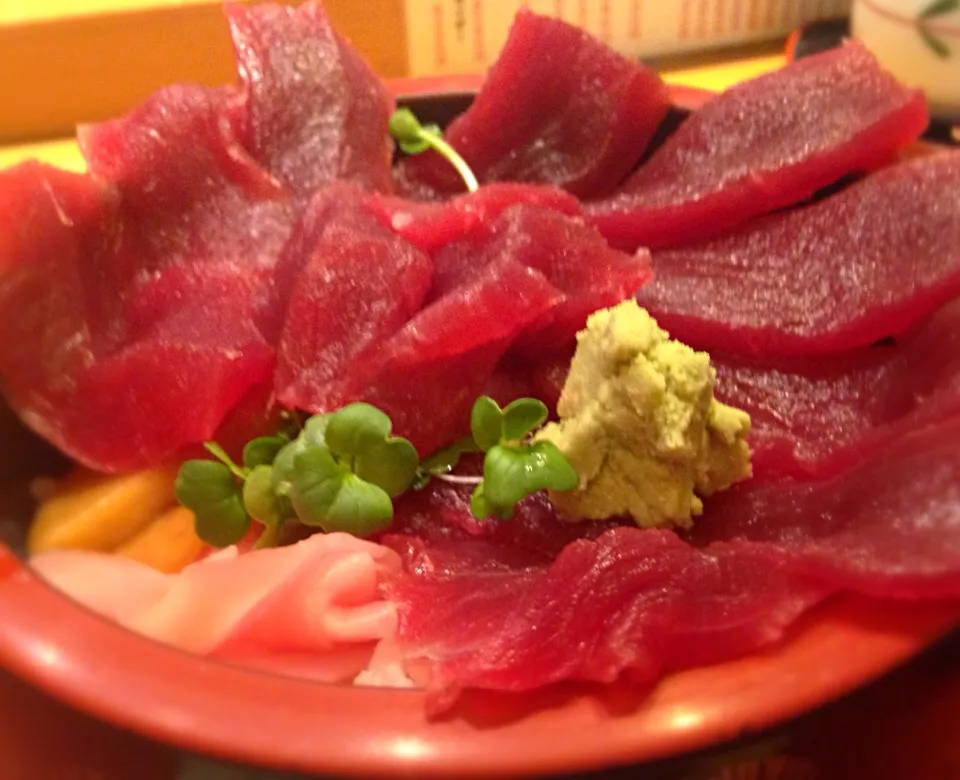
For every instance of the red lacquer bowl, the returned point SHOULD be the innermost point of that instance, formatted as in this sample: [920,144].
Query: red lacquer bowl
[69,673]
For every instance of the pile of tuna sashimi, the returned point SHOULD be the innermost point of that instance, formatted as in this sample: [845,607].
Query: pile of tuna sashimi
[519,401]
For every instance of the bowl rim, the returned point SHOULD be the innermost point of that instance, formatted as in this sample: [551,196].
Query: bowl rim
[214,709]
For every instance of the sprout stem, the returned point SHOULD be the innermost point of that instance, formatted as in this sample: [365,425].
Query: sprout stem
[453,156]
[268,537]
[459,480]
[415,138]
[220,454]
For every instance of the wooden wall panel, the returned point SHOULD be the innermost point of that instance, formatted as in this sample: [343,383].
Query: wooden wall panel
[56,72]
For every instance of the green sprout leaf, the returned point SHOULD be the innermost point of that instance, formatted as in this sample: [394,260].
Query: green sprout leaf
[390,465]
[523,416]
[356,428]
[328,495]
[558,473]
[407,130]
[479,505]
[262,451]
[506,476]
[315,480]
[315,430]
[266,506]
[414,138]
[512,473]
[312,434]
[486,423]
[260,499]
[482,508]
[411,136]
[343,470]
[282,476]
[209,490]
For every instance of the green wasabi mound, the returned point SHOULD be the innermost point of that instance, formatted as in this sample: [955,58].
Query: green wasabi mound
[639,423]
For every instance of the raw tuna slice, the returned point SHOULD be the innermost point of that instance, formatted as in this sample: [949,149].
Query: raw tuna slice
[570,254]
[517,605]
[141,399]
[888,527]
[844,272]
[427,376]
[354,284]
[431,226]
[767,143]
[489,613]
[438,518]
[192,201]
[548,378]
[813,417]
[315,111]
[186,183]
[146,402]
[557,107]
[313,608]
[519,375]
[506,385]
[51,225]
[150,280]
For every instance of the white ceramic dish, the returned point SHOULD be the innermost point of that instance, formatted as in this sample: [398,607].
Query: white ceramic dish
[919,42]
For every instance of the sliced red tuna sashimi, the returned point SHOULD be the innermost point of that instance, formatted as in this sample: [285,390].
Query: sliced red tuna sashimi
[314,111]
[864,264]
[888,527]
[156,294]
[570,254]
[557,107]
[515,608]
[762,145]
[161,296]
[145,403]
[541,377]
[816,416]
[190,197]
[438,519]
[352,285]
[428,374]
[53,222]
[511,614]
[523,279]
[132,404]
[431,226]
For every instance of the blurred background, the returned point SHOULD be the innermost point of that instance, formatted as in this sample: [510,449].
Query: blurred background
[69,61]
